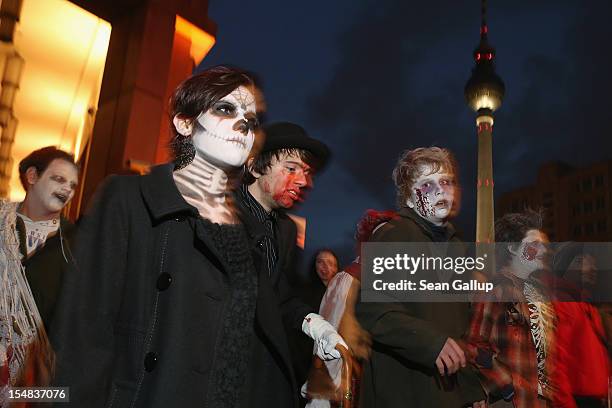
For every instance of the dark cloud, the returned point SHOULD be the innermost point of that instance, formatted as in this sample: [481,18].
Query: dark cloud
[374,78]
[399,84]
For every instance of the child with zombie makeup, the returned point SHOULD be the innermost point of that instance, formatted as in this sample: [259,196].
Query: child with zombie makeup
[510,338]
[274,180]
[33,248]
[415,360]
[171,303]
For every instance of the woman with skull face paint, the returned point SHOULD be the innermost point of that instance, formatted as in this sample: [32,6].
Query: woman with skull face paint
[415,359]
[169,306]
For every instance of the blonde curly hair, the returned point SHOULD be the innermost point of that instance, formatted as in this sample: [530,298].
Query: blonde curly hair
[406,170]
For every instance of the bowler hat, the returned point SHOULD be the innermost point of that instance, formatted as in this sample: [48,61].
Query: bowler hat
[286,135]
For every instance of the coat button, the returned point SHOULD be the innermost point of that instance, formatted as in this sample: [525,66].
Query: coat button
[163,281]
[179,218]
[150,361]
[260,244]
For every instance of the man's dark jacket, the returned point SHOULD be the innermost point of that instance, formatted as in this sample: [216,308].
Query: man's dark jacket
[407,337]
[139,319]
[283,276]
[284,279]
[44,268]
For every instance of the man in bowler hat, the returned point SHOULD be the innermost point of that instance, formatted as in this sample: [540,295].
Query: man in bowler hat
[274,181]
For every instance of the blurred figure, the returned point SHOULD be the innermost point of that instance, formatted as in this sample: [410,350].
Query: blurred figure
[33,247]
[338,307]
[581,366]
[510,342]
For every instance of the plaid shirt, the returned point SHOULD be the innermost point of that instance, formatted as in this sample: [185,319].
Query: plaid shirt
[500,344]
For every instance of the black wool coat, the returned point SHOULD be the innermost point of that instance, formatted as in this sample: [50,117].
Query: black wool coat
[138,320]
[407,338]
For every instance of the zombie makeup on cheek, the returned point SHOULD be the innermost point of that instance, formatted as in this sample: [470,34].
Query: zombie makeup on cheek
[423,205]
[530,251]
[285,195]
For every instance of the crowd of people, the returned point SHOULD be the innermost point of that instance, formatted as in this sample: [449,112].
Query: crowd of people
[179,288]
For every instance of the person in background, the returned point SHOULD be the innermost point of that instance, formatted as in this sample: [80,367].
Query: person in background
[324,267]
[581,364]
[33,248]
[338,307]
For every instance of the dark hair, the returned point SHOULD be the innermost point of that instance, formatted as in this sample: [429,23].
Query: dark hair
[263,161]
[40,160]
[313,264]
[406,170]
[199,93]
[320,251]
[512,228]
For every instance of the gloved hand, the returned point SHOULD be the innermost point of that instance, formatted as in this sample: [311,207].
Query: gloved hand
[324,336]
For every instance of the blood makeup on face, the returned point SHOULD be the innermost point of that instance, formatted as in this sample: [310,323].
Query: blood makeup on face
[426,195]
[282,193]
[534,249]
[423,205]
[283,184]
[530,251]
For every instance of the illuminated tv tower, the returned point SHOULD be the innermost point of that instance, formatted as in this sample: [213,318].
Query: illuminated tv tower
[484,92]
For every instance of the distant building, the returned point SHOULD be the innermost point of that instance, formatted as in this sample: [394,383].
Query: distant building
[577,202]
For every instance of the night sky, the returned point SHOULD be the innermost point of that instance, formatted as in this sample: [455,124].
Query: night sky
[373,78]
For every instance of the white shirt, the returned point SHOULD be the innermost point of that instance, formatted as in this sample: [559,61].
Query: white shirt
[37,232]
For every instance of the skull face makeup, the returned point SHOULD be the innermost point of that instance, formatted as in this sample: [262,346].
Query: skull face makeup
[530,254]
[433,194]
[225,133]
[53,189]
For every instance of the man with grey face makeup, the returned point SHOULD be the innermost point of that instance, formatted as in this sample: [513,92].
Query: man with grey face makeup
[416,358]
[170,305]
[34,246]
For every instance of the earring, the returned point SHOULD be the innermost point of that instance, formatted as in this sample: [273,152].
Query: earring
[184,151]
